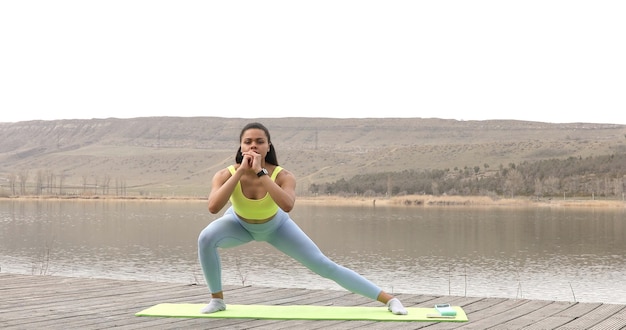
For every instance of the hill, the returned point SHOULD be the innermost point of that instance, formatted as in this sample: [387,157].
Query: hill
[162,156]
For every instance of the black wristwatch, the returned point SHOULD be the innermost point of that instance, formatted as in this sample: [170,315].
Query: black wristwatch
[262,173]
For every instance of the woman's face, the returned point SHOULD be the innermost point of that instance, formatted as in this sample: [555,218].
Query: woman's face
[254,139]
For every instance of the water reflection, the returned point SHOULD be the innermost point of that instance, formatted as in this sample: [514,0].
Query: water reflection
[537,253]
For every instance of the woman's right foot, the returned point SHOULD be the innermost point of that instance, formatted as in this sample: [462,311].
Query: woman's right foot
[215,305]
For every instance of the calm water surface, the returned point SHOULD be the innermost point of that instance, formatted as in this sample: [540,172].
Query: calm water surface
[535,253]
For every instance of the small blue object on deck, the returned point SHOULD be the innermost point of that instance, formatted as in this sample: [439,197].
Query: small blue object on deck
[445,310]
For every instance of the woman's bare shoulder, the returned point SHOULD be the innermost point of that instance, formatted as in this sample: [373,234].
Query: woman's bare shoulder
[284,173]
[223,173]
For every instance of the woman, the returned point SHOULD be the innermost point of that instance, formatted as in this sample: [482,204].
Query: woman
[262,193]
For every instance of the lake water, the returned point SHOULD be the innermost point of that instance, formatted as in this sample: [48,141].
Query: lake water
[567,254]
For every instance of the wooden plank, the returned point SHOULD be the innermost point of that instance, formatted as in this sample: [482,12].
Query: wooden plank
[533,316]
[506,312]
[593,317]
[574,311]
[615,321]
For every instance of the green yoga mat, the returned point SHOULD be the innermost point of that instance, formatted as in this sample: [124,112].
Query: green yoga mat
[300,312]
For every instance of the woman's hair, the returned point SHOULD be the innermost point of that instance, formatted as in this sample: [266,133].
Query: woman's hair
[271,154]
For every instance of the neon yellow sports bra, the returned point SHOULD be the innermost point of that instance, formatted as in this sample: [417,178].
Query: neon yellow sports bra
[253,209]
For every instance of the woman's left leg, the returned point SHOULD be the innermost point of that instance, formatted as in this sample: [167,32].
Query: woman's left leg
[292,241]
[286,236]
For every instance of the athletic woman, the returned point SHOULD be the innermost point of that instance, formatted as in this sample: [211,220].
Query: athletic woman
[261,195]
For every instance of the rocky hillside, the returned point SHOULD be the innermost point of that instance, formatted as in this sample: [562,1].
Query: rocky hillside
[161,156]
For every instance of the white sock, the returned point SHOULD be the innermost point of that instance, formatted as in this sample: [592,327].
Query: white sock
[215,305]
[395,306]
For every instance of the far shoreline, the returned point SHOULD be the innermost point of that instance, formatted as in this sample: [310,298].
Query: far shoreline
[396,201]
[455,201]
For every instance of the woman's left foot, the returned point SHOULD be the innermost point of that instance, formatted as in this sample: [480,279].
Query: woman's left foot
[395,306]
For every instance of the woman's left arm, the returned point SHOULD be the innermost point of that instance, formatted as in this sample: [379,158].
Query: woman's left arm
[283,190]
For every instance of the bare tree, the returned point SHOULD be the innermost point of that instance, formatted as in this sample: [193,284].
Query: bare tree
[105,184]
[50,181]
[61,181]
[39,182]
[618,186]
[514,182]
[120,186]
[12,183]
[538,188]
[85,178]
[435,187]
[23,179]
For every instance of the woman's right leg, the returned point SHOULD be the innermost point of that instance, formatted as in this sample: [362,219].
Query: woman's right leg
[225,232]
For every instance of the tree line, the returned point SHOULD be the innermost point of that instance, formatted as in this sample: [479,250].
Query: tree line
[46,182]
[601,176]
[575,177]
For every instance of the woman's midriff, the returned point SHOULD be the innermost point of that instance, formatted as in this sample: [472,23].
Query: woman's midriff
[255,221]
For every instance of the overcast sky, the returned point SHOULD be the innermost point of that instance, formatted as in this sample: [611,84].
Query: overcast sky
[550,61]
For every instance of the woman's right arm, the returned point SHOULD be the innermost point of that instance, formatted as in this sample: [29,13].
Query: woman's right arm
[222,187]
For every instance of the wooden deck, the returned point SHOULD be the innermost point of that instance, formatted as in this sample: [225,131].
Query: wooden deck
[51,302]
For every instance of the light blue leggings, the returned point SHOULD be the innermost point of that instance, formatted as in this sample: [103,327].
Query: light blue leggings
[284,234]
